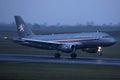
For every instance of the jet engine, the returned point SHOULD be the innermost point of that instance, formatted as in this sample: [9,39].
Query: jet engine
[67,48]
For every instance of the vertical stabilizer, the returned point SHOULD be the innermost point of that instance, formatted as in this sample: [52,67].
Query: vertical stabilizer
[22,28]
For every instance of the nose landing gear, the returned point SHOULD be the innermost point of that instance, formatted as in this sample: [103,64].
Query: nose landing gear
[99,51]
[99,54]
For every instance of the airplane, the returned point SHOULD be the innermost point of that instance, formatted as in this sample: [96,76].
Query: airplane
[91,42]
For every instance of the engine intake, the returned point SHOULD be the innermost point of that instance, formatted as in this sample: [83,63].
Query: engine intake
[67,48]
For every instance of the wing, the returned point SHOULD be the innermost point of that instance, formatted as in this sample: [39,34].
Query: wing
[41,41]
[53,44]
[49,44]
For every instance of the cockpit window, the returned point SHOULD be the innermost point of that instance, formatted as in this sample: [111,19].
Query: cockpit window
[105,36]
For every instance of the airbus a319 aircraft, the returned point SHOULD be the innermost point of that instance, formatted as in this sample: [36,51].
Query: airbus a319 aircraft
[89,42]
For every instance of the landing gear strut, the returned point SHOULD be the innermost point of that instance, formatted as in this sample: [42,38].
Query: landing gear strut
[99,51]
[57,55]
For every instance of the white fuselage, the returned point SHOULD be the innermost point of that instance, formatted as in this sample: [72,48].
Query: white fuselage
[92,39]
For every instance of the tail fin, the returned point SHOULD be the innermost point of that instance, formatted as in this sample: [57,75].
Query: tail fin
[22,28]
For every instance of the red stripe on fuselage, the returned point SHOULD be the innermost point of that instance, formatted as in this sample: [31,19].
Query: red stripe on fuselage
[74,40]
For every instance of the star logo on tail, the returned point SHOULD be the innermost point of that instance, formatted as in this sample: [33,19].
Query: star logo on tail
[21,27]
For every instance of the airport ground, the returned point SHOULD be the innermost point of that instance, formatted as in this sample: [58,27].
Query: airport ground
[54,71]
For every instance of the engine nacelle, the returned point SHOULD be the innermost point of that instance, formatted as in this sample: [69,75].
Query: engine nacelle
[67,48]
[90,50]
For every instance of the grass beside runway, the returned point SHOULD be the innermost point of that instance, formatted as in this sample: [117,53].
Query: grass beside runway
[51,71]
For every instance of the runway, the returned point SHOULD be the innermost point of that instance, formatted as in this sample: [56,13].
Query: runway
[64,60]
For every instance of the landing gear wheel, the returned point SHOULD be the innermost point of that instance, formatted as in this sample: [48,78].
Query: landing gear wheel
[73,55]
[57,55]
[99,54]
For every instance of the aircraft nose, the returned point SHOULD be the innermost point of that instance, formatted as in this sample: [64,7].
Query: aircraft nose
[113,40]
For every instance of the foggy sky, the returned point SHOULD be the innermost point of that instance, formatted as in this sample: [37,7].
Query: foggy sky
[61,11]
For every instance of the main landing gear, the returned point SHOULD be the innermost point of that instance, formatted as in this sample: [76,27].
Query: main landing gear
[73,56]
[57,55]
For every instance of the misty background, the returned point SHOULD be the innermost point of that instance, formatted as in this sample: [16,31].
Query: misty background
[60,16]
[62,12]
